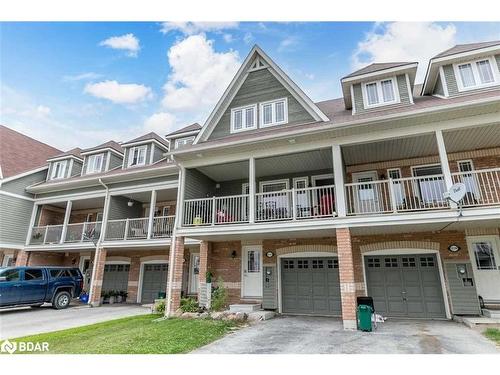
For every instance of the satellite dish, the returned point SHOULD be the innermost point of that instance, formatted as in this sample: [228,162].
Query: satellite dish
[456,192]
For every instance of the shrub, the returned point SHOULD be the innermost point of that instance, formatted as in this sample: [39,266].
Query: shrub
[189,305]
[219,296]
[160,307]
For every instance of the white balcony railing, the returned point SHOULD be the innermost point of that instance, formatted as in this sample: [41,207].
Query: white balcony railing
[396,195]
[83,232]
[163,226]
[137,228]
[483,186]
[46,235]
[293,204]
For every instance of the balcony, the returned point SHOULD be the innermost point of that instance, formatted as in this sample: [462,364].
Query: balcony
[137,228]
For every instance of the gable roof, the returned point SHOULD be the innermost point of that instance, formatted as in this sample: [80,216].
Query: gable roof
[74,152]
[377,67]
[469,47]
[20,153]
[187,129]
[239,78]
[147,137]
[110,144]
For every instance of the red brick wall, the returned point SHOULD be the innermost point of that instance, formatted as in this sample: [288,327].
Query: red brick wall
[51,216]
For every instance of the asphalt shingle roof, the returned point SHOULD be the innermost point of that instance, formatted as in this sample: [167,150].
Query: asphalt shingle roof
[460,48]
[147,137]
[20,153]
[110,144]
[189,128]
[375,67]
[77,152]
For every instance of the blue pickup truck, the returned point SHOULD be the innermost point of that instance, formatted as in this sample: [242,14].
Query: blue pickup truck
[33,286]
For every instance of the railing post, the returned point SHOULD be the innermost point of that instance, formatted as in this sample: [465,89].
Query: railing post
[82,237]
[32,223]
[294,204]
[152,207]
[214,213]
[45,235]
[392,195]
[67,215]
[125,235]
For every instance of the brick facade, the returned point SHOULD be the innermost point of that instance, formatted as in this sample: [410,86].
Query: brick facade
[97,276]
[347,279]
[22,258]
[178,270]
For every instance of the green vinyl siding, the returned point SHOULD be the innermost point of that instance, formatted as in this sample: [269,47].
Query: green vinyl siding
[438,88]
[464,299]
[15,216]
[119,209]
[497,58]
[451,81]
[404,94]
[260,86]
[158,154]
[18,186]
[76,170]
[115,161]
[198,185]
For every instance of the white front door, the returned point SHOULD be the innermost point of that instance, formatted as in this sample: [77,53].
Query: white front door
[485,257]
[251,272]
[194,273]
[366,195]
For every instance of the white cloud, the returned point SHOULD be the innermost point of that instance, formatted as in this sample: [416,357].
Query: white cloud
[228,38]
[287,44]
[127,42]
[248,38]
[199,74]
[191,28]
[82,77]
[122,93]
[404,41]
[43,110]
[161,123]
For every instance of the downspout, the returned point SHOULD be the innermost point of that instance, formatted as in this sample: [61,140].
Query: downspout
[101,235]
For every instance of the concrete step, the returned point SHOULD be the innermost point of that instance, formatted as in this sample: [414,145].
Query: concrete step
[261,315]
[495,314]
[474,321]
[246,308]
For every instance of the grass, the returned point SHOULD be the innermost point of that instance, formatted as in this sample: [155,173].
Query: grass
[142,334]
[493,334]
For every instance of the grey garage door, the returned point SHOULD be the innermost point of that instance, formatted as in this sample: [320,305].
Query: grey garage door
[115,277]
[154,281]
[405,286]
[310,286]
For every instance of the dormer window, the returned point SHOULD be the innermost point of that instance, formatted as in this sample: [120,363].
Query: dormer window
[94,163]
[58,170]
[243,118]
[181,142]
[476,74]
[137,156]
[380,93]
[274,112]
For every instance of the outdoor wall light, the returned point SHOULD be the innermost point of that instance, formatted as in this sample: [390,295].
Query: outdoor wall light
[130,203]
[233,254]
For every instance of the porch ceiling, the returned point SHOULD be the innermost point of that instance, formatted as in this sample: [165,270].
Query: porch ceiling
[161,195]
[227,172]
[391,149]
[293,163]
[82,204]
[472,138]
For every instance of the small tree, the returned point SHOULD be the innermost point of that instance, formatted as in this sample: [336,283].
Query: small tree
[219,296]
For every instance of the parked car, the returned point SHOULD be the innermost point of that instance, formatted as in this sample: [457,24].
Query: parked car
[33,286]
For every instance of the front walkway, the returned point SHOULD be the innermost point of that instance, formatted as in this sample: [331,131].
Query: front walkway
[28,321]
[310,335]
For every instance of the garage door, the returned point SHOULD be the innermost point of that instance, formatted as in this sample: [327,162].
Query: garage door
[310,286]
[154,281]
[405,286]
[115,277]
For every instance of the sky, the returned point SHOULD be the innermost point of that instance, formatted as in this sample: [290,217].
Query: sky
[80,84]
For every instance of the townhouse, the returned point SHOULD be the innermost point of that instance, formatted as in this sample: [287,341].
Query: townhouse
[300,207]
[22,163]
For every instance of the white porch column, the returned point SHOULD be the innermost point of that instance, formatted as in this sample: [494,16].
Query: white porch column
[443,157]
[67,215]
[338,173]
[34,214]
[152,206]
[179,210]
[251,190]
[105,215]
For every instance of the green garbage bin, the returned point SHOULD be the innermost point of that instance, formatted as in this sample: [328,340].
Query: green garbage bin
[365,318]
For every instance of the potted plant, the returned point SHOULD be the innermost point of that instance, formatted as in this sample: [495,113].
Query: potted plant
[104,297]
[124,295]
[112,297]
[118,296]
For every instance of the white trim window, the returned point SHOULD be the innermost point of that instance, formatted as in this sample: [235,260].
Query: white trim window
[477,74]
[243,118]
[58,170]
[182,142]
[379,93]
[274,112]
[94,163]
[137,156]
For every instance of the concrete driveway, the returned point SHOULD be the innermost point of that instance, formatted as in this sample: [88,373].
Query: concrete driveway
[292,335]
[28,321]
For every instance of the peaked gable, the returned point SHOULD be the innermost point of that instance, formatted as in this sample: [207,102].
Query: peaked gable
[256,69]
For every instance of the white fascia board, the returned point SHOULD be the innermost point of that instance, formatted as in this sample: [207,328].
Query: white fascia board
[330,126]
[23,174]
[101,150]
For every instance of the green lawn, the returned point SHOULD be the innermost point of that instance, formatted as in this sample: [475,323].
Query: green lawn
[142,334]
[493,334]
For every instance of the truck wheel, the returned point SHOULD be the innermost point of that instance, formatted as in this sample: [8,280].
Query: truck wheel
[61,300]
